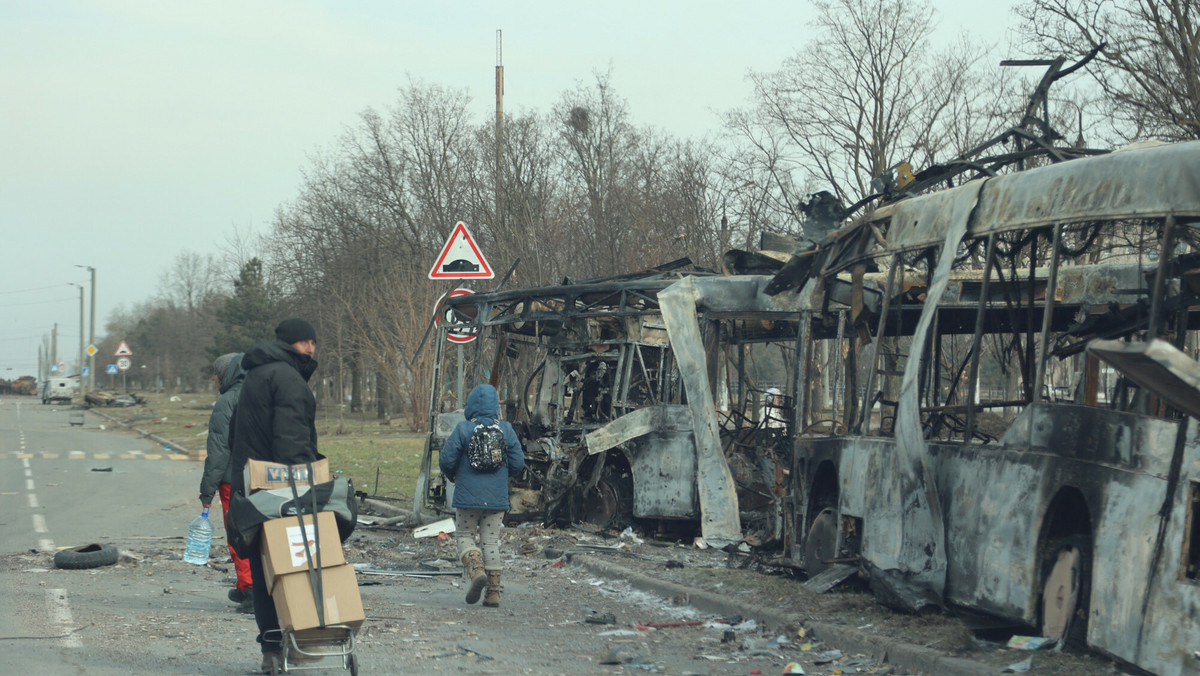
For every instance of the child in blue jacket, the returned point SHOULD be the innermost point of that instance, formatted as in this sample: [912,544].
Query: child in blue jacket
[480,498]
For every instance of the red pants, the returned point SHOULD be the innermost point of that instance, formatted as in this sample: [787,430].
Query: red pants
[242,566]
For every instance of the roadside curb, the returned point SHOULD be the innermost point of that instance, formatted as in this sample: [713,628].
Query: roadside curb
[846,639]
[175,448]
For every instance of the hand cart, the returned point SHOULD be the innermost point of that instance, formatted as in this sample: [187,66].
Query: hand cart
[310,649]
[314,649]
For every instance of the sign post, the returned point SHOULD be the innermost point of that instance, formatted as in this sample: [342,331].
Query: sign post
[123,354]
[460,259]
[457,331]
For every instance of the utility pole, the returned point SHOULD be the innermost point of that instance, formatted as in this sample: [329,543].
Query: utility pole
[88,387]
[81,336]
[499,130]
[54,346]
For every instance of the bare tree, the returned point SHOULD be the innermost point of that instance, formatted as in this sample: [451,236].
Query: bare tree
[864,94]
[1148,71]
[597,142]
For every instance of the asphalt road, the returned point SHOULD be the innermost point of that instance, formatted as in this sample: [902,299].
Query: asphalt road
[63,486]
[151,613]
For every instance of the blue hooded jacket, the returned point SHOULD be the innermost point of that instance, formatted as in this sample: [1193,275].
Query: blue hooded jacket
[480,490]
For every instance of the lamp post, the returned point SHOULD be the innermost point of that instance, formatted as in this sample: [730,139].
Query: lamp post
[91,332]
[81,352]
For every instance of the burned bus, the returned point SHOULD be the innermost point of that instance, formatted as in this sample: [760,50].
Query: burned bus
[980,397]
[1077,515]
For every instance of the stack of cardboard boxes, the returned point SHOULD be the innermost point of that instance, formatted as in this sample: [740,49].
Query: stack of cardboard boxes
[286,560]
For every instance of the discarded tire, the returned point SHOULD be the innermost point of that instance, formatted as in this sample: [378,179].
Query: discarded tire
[87,556]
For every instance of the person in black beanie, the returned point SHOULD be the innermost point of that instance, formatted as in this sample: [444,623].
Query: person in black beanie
[275,421]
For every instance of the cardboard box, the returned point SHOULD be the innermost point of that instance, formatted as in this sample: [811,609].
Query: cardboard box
[266,475]
[283,545]
[296,605]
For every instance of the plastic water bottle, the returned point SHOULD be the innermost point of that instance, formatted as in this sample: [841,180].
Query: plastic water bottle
[199,540]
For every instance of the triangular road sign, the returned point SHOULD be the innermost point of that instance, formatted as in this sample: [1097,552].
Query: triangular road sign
[461,258]
[123,350]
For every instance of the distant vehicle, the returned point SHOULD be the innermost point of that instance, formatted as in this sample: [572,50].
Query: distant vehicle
[58,389]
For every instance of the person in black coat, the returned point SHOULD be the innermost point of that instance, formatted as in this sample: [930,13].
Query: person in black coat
[480,497]
[275,421]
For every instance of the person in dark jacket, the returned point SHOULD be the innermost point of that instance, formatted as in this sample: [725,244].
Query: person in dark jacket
[480,498]
[275,421]
[227,370]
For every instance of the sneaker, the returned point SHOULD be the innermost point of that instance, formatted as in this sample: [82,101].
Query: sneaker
[272,661]
[237,596]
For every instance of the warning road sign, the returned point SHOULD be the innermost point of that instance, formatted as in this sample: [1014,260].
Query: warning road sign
[461,258]
[123,351]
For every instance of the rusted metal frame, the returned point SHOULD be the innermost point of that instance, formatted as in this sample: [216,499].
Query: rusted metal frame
[655,393]
[925,384]
[1160,276]
[1026,376]
[664,357]
[621,377]
[880,332]
[710,332]
[566,292]
[800,386]
[427,454]
[850,378]
[836,365]
[977,336]
[741,371]
[1156,297]
[1047,313]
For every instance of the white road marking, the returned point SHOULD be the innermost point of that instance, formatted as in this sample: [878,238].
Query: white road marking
[33,501]
[60,610]
[39,523]
[45,545]
[29,484]
[28,472]
[25,463]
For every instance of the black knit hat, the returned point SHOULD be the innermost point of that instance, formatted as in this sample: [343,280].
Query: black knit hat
[295,330]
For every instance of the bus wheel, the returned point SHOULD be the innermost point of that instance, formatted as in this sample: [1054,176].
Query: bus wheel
[1064,589]
[821,544]
[610,503]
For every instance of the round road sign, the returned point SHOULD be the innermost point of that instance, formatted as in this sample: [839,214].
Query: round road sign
[123,363]
[457,328]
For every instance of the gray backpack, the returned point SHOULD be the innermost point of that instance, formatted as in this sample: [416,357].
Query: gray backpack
[485,450]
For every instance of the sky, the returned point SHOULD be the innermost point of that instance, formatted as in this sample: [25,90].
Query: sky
[132,131]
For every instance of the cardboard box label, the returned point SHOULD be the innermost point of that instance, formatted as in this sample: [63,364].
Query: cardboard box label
[296,542]
[283,545]
[260,475]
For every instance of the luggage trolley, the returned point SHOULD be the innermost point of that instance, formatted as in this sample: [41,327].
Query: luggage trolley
[313,649]
[319,647]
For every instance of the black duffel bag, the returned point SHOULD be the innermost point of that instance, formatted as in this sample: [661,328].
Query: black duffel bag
[247,513]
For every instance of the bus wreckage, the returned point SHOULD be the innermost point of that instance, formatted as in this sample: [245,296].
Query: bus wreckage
[983,397]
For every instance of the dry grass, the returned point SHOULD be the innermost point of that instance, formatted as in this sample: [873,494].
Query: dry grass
[381,460]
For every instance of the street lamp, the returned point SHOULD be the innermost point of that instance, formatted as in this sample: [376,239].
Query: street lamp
[92,330]
[81,352]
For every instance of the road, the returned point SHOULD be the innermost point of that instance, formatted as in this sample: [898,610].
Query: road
[151,613]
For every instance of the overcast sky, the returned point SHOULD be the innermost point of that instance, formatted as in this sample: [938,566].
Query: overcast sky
[134,130]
